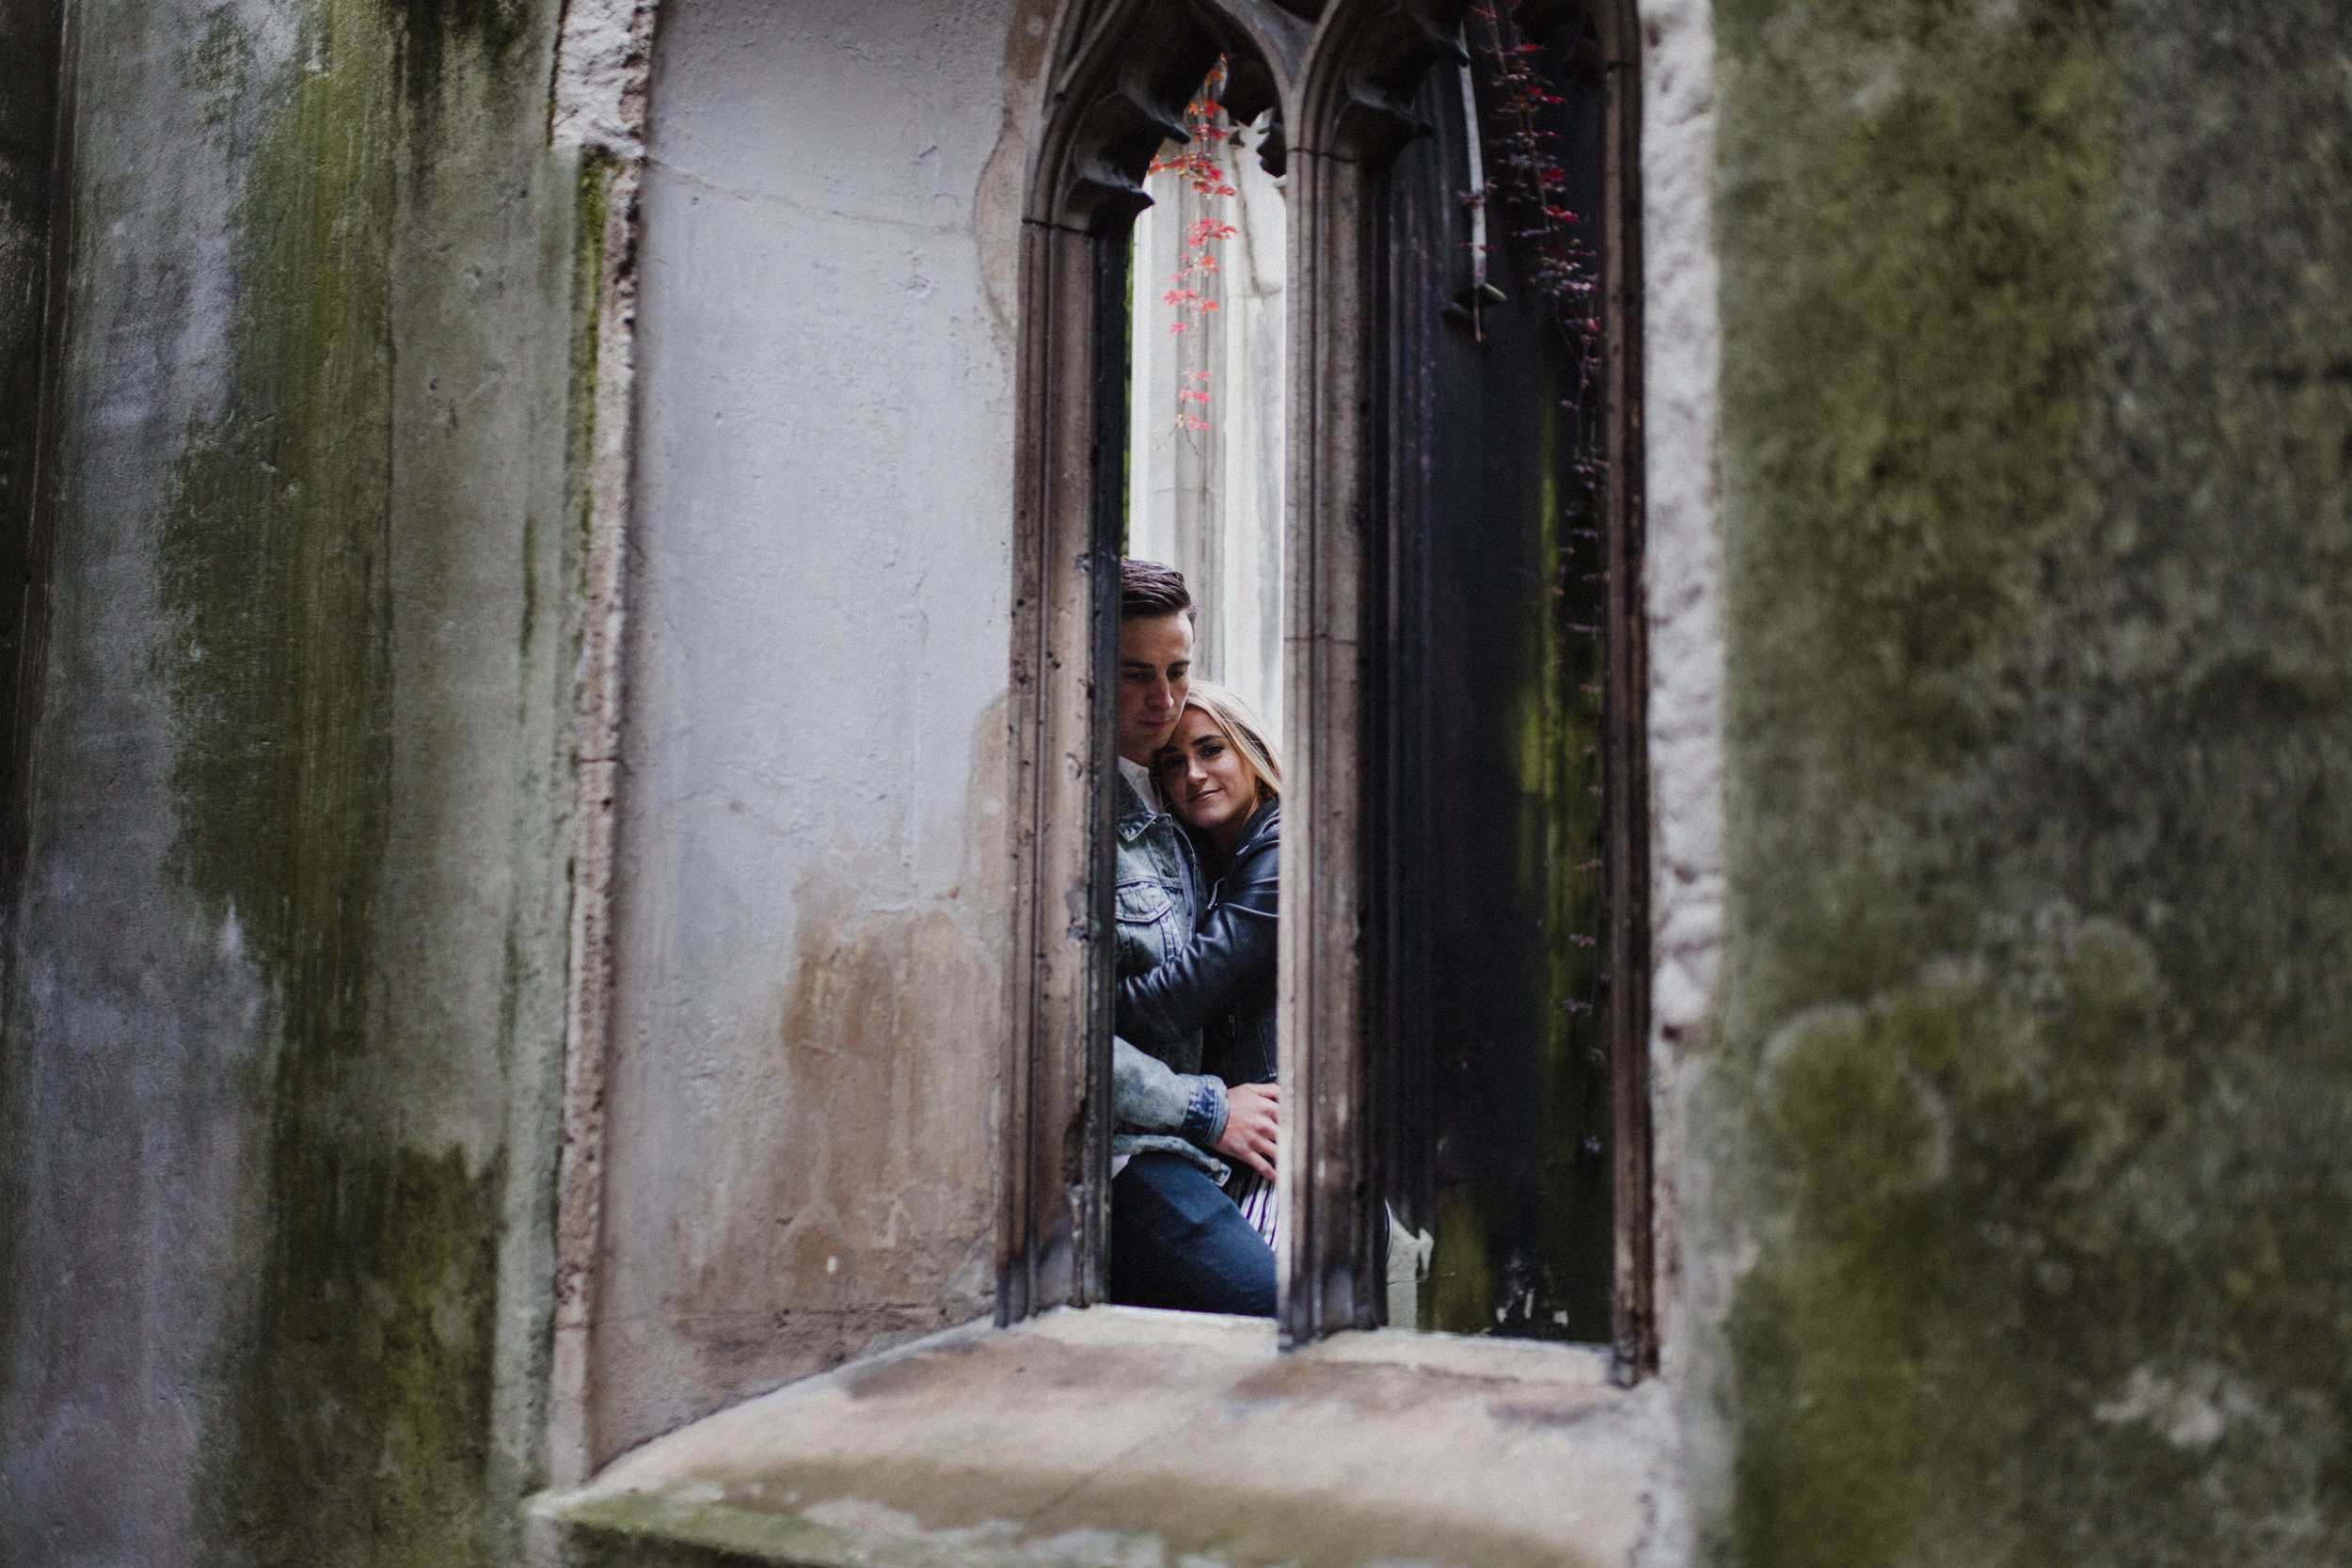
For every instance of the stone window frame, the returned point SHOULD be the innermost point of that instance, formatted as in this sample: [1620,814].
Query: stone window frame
[1340,78]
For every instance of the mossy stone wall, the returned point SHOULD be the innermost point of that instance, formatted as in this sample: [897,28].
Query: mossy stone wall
[2029,1096]
[284,1008]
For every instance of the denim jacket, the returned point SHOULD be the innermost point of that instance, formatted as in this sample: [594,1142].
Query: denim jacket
[1160,1099]
[1220,987]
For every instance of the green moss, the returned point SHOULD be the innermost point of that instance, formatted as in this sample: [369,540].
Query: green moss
[2038,520]
[1893,1133]
[429,32]
[1524,1247]
[1464,1281]
[357,1422]
[219,68]
[1561,831]
[1915,218]
[275,567]
[363,1436]
[592,198]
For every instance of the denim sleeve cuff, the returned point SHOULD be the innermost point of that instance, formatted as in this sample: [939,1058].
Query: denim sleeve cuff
[1204,1115]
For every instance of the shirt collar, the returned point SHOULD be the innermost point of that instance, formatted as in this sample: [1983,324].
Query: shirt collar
[1145,786]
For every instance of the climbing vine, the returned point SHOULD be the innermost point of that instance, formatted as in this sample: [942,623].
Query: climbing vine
[1531,186]
[1198,163]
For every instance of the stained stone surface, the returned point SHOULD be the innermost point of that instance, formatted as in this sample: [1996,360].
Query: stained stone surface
[1115,1436]
[2028,1103]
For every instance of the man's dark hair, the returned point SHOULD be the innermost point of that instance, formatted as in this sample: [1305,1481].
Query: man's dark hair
[1147,591]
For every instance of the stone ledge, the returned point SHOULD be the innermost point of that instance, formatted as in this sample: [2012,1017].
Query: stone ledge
[1119,1439]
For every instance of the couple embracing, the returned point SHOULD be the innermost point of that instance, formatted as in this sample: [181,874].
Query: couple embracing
[1194,1214]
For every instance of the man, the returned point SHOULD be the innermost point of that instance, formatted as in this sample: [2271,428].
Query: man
[1177,1240]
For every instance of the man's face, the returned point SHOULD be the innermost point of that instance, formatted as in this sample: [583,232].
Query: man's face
[1154,666]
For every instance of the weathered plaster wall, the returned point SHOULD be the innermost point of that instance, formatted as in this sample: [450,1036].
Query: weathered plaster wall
[2028,1098]
[807,1028]
[284,973]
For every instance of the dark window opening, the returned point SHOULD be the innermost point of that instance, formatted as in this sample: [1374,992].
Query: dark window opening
[1495,976]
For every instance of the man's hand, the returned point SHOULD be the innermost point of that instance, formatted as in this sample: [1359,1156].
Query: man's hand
[1250,1126]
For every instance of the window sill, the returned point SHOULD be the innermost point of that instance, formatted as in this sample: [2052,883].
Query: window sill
[1124,1438]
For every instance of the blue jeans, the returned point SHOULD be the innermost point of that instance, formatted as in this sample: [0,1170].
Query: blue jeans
[1178,1241]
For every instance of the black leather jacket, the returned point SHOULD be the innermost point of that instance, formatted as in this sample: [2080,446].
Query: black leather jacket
[1221,982]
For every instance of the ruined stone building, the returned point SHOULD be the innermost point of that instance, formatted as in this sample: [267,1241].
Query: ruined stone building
[553,786]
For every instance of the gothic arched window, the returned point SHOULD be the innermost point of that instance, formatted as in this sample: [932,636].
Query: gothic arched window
[1464,962]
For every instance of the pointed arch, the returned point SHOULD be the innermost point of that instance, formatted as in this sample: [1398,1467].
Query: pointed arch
[1342,78]
[1124,72]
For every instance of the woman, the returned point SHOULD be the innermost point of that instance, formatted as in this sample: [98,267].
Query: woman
[1223,782]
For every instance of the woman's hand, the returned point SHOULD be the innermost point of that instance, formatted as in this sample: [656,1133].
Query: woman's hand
[1251,1124]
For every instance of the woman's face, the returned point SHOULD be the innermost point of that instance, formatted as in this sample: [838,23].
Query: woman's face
[1208,784]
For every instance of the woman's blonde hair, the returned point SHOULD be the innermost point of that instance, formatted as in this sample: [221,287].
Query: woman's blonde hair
[1230,713]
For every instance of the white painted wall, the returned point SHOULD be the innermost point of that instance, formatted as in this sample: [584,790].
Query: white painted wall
[811,874]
